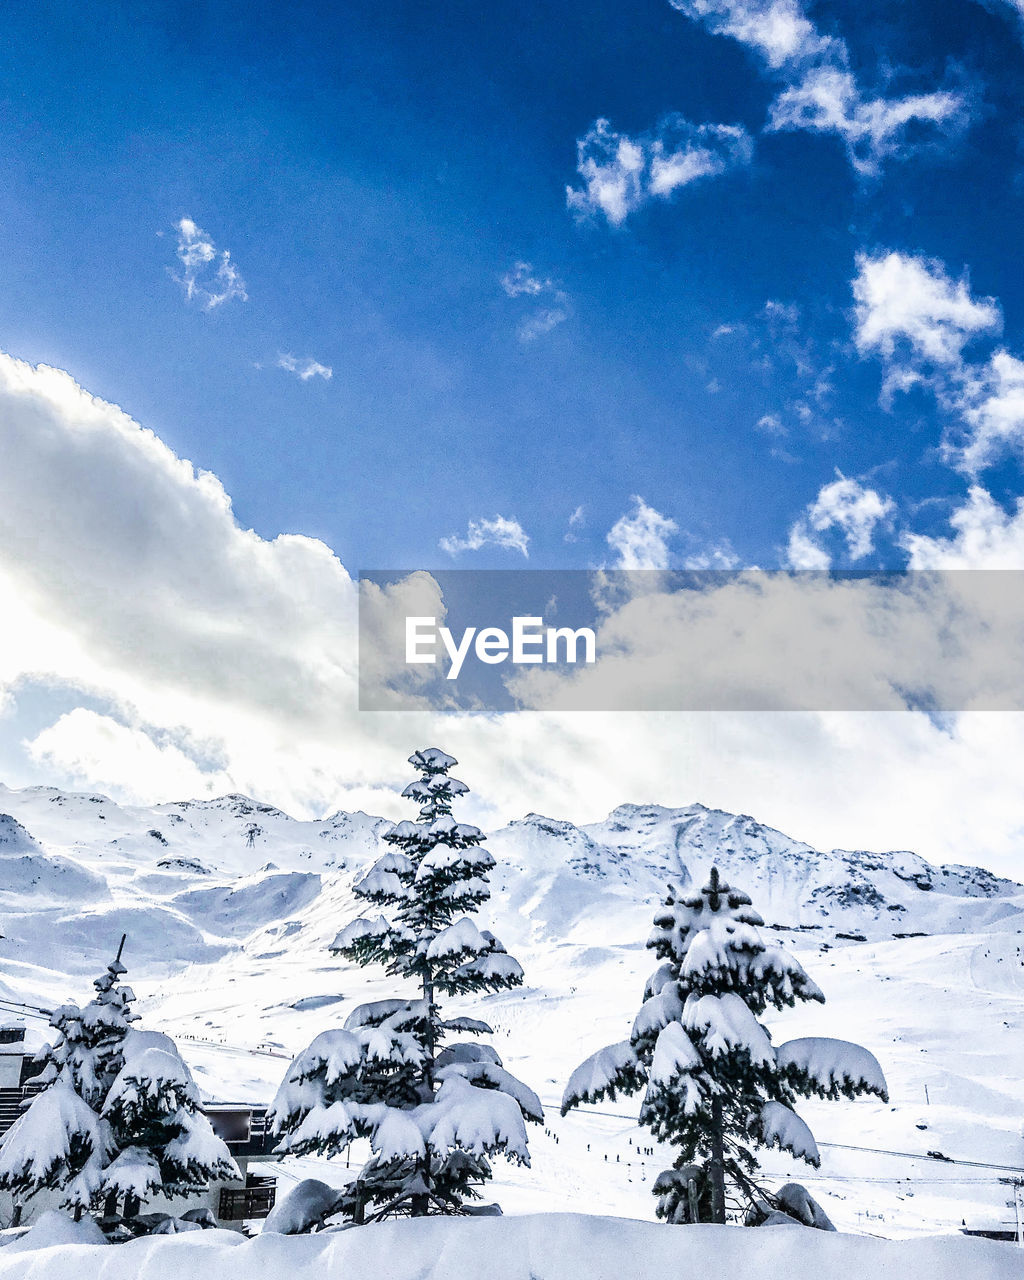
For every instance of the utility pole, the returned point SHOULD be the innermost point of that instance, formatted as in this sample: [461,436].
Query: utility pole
[1017,1204]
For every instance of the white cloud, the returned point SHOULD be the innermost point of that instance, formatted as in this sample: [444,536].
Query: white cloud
[804,551]
[98,752]
[820,92]
[305,369]
[523,282]
[640,538]
[991,403]
[908,303]
[208,276]
[855,510]
[124,577]
[778,30]
[622,173]
[921,322]
[847,506]
[828,100]
[576,521]
[499,532]
[986,537]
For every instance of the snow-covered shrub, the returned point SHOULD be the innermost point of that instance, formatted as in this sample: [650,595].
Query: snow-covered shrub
[433,1111]
[305,1207]
[715,1084]
[791,1203]
[682,1194]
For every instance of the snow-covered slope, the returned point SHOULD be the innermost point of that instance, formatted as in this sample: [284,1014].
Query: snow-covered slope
[229,906]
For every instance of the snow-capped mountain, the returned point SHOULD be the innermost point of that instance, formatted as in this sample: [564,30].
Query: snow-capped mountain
[638,849]
[229,906]
[192,879]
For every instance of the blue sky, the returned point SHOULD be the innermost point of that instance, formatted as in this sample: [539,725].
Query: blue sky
[669,284]
[375,173]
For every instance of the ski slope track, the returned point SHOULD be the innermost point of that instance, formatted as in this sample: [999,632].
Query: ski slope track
[229,905]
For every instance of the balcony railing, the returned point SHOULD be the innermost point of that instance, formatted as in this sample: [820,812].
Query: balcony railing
[240,1203]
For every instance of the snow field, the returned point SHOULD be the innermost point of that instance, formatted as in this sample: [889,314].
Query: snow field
[531,1247]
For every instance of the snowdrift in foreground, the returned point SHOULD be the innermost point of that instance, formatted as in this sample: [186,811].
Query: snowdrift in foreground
[539,1247]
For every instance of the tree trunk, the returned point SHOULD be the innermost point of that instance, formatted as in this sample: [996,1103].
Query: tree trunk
[420,1205]
[693,1200]
[428,996]
[716,1167]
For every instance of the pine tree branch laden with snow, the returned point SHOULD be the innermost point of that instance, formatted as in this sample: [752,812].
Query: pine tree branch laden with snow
[715,1085]
[58,1144]
[433,1111]
[163,1140]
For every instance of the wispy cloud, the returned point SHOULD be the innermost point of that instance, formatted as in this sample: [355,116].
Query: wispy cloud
[622,173]
[828,100]
[208,276]
[541,322]
[305,369]
[921,322]
[576,521]
[499,532]
[640,538]
[717,556]
[770,424]
[781,344]
[1016,5]
[551,301]
[523,281]
[819,91]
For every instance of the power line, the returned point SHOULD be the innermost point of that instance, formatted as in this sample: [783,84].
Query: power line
[839,1146]
[917,1155]
[29,1010]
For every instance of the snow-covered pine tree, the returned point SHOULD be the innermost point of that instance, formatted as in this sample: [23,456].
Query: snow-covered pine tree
[61,1143]
[163,1142]
[91,1039]
[58,1144]
[716,1086]
[433,1112]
